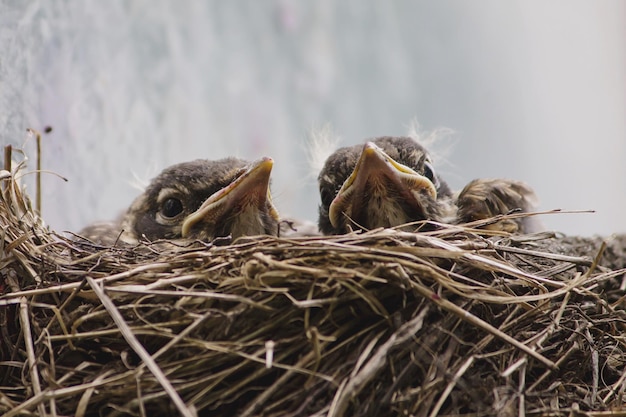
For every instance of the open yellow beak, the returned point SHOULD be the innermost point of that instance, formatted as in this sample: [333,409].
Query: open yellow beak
[251,188]
[375,166]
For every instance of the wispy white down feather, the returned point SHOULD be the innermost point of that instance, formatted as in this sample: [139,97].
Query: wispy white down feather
[437,141]
[322,142]
[140,182]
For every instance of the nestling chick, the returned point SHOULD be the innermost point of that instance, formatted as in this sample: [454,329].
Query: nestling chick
[482,199]
[200,200]
[386,182]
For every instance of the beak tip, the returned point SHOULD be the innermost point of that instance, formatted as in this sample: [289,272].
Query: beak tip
[369,150]
[265,164]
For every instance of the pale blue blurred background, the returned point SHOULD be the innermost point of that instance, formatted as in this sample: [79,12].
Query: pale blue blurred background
[532,90]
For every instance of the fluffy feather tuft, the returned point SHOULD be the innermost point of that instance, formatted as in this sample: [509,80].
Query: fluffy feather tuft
[140,182]
[439,141]
[321,143]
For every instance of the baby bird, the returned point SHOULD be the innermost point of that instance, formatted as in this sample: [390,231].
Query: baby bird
[198,200]
[386,182]
[485,198]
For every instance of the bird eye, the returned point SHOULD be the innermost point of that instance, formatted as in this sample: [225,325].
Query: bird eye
[172,207]
[429,172]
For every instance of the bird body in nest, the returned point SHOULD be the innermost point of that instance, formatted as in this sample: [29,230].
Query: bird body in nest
[485,198]
[390,181]
[198,200]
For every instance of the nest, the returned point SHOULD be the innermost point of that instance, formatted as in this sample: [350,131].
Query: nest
[454,321]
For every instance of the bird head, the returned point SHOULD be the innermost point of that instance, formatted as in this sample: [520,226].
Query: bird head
[386,182]
[205,199]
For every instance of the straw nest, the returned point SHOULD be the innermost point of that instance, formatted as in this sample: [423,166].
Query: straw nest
[450,322]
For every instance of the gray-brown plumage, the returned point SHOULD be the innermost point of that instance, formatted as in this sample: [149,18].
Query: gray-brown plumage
[390,181]
[486,198]
[200,200]
[386,182]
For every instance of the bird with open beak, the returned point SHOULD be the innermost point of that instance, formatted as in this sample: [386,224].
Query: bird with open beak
[198,200]
[390,181]
[386,182]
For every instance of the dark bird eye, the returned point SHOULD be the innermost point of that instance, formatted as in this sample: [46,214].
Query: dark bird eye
[172,207]
[429,172]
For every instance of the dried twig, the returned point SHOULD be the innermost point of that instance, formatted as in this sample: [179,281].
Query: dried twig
[139,349]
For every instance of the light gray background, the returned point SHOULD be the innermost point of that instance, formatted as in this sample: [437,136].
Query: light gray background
[532,90]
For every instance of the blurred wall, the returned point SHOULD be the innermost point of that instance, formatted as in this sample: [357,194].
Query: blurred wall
[532,90]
